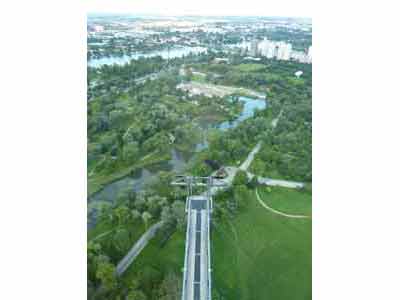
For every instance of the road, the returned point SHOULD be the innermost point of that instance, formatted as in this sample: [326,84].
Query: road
[137,248]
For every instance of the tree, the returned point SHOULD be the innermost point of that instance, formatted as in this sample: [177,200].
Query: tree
[93,251]
[178,210]
[170,287]
[240,178]
[167,217]
[120,142]
[153,205]
[135,215]
[106,274]
[146,216]
[106,213]
[122,214]
[252,184]
[121,239]
[136,295]
[149,278]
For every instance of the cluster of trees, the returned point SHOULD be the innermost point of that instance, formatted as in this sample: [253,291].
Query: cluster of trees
[287,148]
[126,122]
[229,203]
[122,225]
[99,47]
[129,126]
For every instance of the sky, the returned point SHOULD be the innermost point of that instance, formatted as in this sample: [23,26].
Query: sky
[284,8]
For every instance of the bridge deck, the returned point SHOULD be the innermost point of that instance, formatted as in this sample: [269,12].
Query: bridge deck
[196,286]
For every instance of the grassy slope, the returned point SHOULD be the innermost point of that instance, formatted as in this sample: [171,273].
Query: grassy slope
[260,255]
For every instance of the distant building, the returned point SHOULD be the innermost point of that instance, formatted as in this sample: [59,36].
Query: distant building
[287,52]
[284,51]
[252,58]
[253,48]
[271,53]
[298,73]
[98,28]
[270,49]
[218,60]
[264,46]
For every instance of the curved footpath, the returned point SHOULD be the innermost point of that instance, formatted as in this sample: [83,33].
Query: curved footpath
[279,212]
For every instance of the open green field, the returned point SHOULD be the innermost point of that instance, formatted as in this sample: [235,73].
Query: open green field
[256,255]
[260,255]
[199,78]
[286,200]
[249,67]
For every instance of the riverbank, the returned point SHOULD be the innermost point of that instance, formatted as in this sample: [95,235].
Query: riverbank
[95,185]
[165,54]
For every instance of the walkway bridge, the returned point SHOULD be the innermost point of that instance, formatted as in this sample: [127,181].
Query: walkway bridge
[197,264]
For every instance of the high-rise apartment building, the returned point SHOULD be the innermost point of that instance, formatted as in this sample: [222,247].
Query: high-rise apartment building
[254,48]
[264,46]
[271,52]
[284,51]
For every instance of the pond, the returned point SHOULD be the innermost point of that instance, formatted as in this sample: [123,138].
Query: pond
[177,163]
[172,53]
[251,105]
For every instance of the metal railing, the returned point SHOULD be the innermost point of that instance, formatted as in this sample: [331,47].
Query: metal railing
[189,221]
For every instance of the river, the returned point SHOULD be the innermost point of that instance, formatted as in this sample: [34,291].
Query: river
[177,163]
[172,53]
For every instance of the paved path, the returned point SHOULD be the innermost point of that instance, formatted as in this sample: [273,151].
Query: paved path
[277,182]
[137,248]
[246,164]
[279,212]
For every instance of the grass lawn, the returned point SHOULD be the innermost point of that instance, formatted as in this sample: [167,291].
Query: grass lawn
[286,200]
[102,228]
[199,78]
[249,67]
[164,258]
[259,255]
